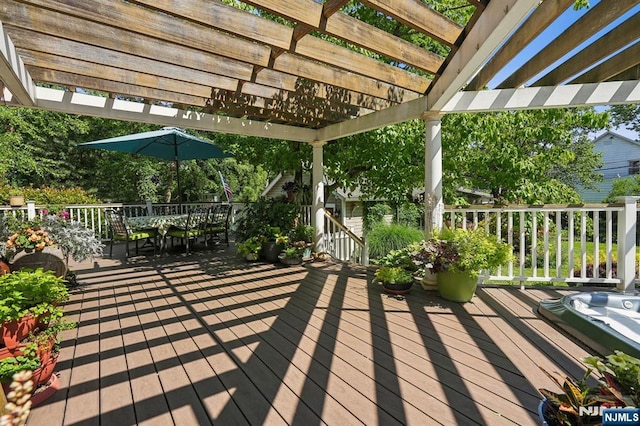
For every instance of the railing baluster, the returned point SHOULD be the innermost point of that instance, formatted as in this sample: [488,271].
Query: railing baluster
[545,236]
[570,245]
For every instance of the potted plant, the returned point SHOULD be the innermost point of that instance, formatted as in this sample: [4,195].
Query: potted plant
[74,239]
[29,237]
[26,297]
[461,255]
[423,255]
[16,197]
[394,279]
[13,365]
[46,345]
[292,188]
[293,252]
[306,234]
[578,403]
[273,243]
[250,248]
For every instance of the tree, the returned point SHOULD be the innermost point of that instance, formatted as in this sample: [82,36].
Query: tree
[627,115]
[622,187]
[533,156]
[36,146]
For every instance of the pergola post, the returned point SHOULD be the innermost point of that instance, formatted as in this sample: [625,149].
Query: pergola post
[627,244]
[434,205]
[318,194]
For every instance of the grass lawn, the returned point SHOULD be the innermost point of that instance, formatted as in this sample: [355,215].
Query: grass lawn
[577,259]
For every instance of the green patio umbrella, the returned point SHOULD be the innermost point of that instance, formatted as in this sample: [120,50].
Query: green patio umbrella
[169,143]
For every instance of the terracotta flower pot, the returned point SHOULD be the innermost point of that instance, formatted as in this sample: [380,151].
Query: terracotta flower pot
[4,267]
[10,353]
[13,332]
[43,374]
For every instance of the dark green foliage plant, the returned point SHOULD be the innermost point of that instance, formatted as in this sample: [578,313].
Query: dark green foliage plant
[250,246]
[374,213]
[383,238]
[265,212]
[302,232]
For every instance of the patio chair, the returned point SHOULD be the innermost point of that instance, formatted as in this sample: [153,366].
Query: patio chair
[119,230]
[218,223]
[195,227]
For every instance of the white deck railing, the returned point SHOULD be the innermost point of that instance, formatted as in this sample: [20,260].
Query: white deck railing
[569,238]
[341,243]
[92,215]
[570,244]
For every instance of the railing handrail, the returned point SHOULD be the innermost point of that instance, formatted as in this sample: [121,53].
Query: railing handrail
[343,228]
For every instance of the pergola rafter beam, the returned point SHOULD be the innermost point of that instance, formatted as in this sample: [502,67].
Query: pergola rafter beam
[601,15]
[541,17]
[13,72]
[572,95]
[619,37]
[355,32]
[419,16]
[626,59]
[497,21]
[83,104]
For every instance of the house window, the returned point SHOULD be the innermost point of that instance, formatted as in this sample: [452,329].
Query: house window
[634,167]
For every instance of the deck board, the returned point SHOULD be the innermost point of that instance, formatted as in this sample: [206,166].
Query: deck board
[211,339]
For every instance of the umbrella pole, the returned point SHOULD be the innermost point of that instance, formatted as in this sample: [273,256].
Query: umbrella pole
[178,182]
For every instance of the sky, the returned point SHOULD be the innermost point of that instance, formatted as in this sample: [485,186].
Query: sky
[563,22]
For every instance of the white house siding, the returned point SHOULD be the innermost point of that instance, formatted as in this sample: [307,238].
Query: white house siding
[617,154]
[275,190]
[353,218]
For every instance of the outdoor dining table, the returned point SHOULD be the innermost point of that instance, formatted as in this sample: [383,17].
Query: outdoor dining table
[161,223]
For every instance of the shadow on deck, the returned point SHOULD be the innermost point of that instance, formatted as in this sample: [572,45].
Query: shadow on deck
[211,339]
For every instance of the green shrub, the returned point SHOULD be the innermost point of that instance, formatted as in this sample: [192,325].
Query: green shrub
[410,214]
[383,238]
[374,213]
[53,198]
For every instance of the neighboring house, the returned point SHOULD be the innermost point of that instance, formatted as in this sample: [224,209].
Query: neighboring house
[621,159]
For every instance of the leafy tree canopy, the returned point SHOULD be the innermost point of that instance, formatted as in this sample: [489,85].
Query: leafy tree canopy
[533,156]
[622,187]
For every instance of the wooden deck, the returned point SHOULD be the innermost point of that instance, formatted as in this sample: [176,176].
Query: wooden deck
[211,339]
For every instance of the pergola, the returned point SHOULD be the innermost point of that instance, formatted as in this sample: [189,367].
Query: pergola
[206,65]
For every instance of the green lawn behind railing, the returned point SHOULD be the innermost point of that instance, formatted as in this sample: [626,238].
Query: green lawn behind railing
[577,265]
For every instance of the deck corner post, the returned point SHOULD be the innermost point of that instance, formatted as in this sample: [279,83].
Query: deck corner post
[31,210]
[626,271]
[434,205]
[318,194]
